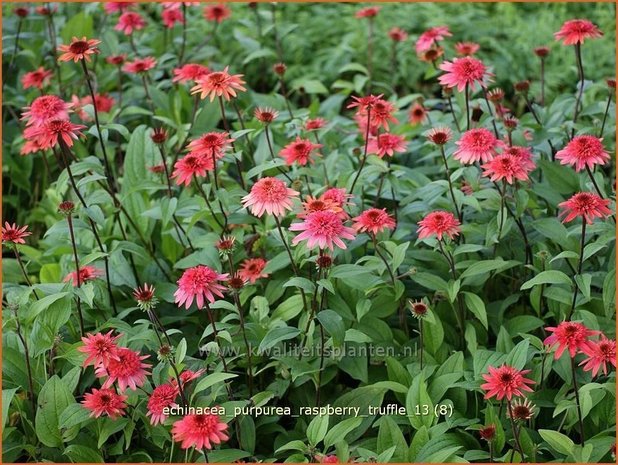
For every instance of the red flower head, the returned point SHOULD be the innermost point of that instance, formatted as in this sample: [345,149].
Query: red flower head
[158,136]
[113,7]
[211,144]
[462,72]
[219,84]
[369,12]
[38,79]
[265,115]
[163,396]
[100,348]
[386,144]
[465,49]
[373,221]
[190,72]
[199,431]
[45,108]
[575,31]
[585,205]
[338,196]
[145,296]
[171,16]
[187,376]
[130,21]
[21,12]
[542,52]
[314,124]
[13,233]
[326,459]
[505,167]
[252,269]
[44,11]
[53,132]
[506,381]
[380,111]
[488,433]
[478,144]
[217,13]
[103,102]
[583,151]
[600,354]
[439,135]
[431,36]
[417,114]
[117,60]
[78,49]
[199,283]
[127,369]
[322,229]
[438,223]
[523,154]
[86,273]
[397,34]
[312,204]
[139,65]
[431,55]
[571,336]
[279,69]
[270,195]
[105,402]
[299,151]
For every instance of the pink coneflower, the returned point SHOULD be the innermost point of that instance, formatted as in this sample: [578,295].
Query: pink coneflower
[438,223]
[417,114]
[464,71]
[139,65]
[162,397]
[465,49]
[439,135]
[217,13]
[113,7]
[199,431]
[270,195]
[431,55]
[226,245]
[368,12]
[322,229]
[576,31]
[265,115]
[211,143]
[30,146]
[585,205]
[569,335]
[312,204]
[338,195]
[430,37]
[171,16]
[583,151]
[386,144]
[86,273]
[397,34]
[523,154]
[505,167]
[145,297]
[190,72]
[13,233]
[478,144]
[300,151]
[130,21]
[219,84]
[506,381]
[78,49]
[117,60]
[252,269]
[37,79]
[200,283]
[100,348]
[381,111]
[373,221]
[600,354]
[191,165]
[50,133]
[188,376]
[104,104]
[127,369]
[45,108]
[105,402]
[315,124]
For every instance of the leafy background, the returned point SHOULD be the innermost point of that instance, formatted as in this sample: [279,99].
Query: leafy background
[324,49]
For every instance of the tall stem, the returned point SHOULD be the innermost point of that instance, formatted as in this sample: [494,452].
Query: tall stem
[383,258]
[580,71]
[23,270]
[227,129]
[421,342]
[467,91]
[450,183]
[501,224]
[16,49]
[515,431]
[455,120]
[184,34]
[370,54]
[491,113]
[77,274]
[542,81]
[209,205]
[364,159]
[609,102]
[580,266]
[220,352]
[579,408]
[27,356]
[272,153]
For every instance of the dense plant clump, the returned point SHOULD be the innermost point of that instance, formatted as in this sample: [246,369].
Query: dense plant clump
[308,233]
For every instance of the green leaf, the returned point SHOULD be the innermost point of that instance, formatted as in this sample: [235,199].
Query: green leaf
[419,405]
[54,399]
[476,306]
[390,435]
[211,380]
[547,277]
[302,283]
[73,415]
[333,324]
[487,266]
[276,335]
[518,356]
[316,431]
[82,454]
[430,281]
[7,397]
[558,441]
[79,25]
[340,430]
